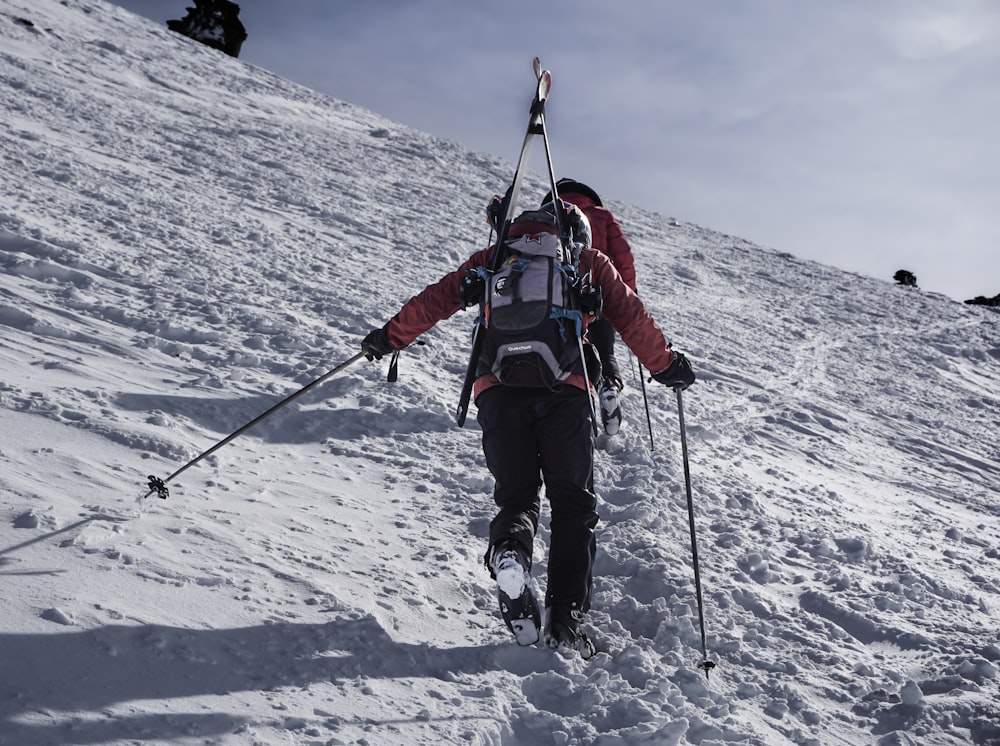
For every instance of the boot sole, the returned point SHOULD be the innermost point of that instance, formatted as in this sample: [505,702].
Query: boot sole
[521,615]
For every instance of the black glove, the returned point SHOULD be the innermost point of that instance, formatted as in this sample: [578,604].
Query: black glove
[495,211]
[470,292]
[678,374]
[377,344]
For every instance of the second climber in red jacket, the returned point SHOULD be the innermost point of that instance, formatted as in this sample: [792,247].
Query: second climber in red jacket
[607,238]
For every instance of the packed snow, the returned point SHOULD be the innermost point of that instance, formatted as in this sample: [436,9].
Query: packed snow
[186,239]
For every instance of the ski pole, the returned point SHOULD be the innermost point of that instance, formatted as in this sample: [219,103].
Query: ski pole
[159,486]
[705,664]
[634,363]
[590,390]
[645,401]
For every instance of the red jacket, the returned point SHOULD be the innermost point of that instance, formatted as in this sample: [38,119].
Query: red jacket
[607,236]
[622,308]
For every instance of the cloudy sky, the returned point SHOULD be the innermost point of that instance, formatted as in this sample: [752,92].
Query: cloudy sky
[859,134]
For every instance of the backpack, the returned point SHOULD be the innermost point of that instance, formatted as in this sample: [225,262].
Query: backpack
[531,317]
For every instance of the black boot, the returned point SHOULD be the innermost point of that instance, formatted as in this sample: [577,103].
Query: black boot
[611,408]
[562,630]
[518,607]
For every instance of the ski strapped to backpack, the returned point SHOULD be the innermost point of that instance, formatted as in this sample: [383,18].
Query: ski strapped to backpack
[586,290]
[536,125]
[586,300]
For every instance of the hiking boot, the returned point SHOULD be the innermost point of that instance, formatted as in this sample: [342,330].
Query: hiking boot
[611,410]
[562,631]
[510,569]
[517,601]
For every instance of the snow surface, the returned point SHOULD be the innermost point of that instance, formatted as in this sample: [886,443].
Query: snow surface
[186,239]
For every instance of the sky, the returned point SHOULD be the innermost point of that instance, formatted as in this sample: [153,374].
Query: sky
[861,135]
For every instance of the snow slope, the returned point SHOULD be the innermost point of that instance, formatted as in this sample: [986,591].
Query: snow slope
[186,239]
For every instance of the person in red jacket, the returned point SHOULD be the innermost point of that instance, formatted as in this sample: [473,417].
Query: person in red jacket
[607,238]
[536,435]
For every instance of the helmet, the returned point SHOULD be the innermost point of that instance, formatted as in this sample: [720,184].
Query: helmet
[570,185]
[576,222]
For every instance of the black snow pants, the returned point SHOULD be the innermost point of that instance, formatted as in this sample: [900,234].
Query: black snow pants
[536,436]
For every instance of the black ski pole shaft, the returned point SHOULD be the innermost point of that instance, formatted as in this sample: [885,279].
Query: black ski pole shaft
[542,84]
[590,389]
[705,664]
[159,486]
[645,401]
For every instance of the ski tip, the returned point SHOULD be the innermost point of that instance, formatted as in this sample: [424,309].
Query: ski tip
[536,65]
[544,84]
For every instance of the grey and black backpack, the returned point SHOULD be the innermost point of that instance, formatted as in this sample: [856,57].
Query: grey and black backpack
[531,310]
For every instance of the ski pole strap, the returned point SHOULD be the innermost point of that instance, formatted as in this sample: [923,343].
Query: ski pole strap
[393,373]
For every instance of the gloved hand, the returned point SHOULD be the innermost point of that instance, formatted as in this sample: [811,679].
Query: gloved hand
[470,292]
[376,344]
[495,211]
[678,374]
